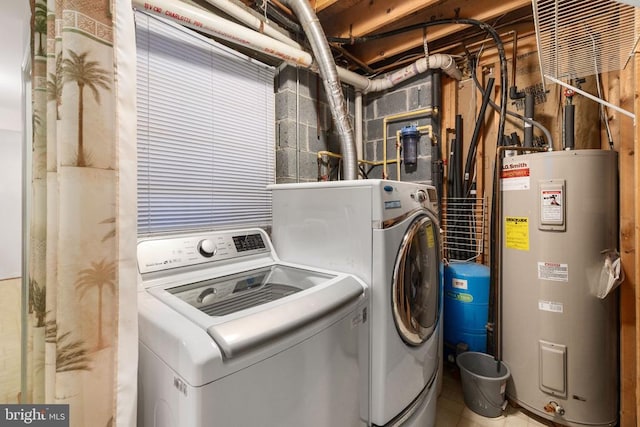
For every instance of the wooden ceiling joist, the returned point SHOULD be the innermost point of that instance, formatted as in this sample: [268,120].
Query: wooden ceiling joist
[378,50]
[320,5]
[379,14]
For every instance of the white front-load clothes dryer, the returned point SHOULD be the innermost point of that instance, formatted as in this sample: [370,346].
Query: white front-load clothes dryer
[385,233]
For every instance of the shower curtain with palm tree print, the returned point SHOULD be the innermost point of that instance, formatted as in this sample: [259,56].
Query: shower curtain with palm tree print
[82,346]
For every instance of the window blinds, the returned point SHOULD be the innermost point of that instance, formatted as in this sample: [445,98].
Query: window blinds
[205,132]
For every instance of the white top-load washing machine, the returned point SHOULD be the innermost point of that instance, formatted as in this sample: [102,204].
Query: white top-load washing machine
[386,233]
[231,336]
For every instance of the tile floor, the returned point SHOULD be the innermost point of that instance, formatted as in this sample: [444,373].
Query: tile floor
[452,411]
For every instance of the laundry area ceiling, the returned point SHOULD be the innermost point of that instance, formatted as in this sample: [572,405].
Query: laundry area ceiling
[379,36]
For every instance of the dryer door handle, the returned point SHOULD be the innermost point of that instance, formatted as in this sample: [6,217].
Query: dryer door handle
[252,331]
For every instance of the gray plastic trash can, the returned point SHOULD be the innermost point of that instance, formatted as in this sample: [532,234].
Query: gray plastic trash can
[484,381]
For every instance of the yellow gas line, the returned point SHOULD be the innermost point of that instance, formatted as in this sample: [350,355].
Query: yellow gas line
[339,156]
[390,119]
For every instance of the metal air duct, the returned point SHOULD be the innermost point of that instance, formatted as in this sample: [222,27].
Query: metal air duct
[333,88]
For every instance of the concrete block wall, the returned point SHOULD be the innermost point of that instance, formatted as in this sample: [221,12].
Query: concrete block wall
[304,125]
[413,95]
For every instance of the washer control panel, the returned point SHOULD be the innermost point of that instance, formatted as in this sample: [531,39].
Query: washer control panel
[155,254]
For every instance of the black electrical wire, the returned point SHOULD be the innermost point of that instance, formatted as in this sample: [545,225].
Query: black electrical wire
[282,19]
[447,21]
[454,190]
[456,162]
[495,106]
[464,21]
[502,108]
[473,145]
[492,345]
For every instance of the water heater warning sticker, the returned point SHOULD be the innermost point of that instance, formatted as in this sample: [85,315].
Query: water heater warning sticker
[551,205]
[515,175]
[516,233]
[552,306]
[553,271]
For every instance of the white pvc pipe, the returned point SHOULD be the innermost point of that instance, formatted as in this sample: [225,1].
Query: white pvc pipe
[216,26]
[247,18]
[386,81]
[201,20]
[591,97]
[209,23]
[356,80]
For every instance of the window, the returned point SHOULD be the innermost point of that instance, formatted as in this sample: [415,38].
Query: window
[205,132]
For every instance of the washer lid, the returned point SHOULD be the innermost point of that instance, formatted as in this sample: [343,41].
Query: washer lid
[229,294]
[249,332]
[416,281]
[246,310]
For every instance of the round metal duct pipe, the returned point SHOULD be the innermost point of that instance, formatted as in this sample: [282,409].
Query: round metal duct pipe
[329,74]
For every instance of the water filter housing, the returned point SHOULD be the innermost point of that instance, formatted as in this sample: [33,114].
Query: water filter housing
[410,137]
[560,213]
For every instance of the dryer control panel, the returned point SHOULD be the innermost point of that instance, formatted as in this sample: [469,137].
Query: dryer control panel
[163,253]
[400,199]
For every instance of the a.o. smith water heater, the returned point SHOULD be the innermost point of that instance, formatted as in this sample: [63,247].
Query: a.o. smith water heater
[560,341]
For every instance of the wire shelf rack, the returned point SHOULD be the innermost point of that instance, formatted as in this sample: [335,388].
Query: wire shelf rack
[465,225]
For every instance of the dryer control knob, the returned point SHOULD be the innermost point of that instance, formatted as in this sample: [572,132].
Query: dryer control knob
[420,196]
[207,248]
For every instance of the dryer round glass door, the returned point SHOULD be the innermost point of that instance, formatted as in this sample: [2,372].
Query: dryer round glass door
[416,281]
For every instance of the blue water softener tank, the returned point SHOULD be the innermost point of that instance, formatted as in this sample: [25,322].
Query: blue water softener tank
[410,137]
[466,307]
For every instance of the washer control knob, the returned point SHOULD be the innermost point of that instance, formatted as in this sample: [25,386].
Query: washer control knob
[207,248]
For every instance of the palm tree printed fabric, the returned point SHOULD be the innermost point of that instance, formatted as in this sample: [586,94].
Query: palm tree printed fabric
[99,278]
[82,263]
[86,74]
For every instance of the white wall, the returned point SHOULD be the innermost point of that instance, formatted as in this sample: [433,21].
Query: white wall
[14,31]
[10,203]
[11,119]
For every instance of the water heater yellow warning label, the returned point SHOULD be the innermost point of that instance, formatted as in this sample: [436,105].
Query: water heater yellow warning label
[516,230]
